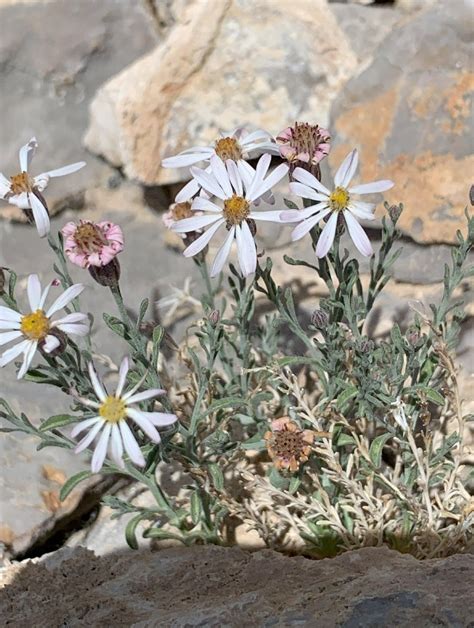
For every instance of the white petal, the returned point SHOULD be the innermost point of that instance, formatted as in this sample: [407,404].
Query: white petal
[7,314]
[223,253]
[75,317]
[246,249]
[34,292]
[61,172]
[88,438]
[296,215]
[9,336]
[131,445]
[254,136]
[264,186]
[273,216]
[20,200]
[306,192]
[188,191]
[27,360]
[44,296]
[40,215]
[372,188]
[26,154]
[142,396]
[161,419]
[346,170]
[101,449]
[209,182]
[75,329]
[305,227]
[362,210]
[327,236]
[50,343]
[96,385]
[198,245]
[83,425]
[221,174]
[145,425]
[123,372]
[4,185]
[358,235]
[65,298]
[116,446]
[201,203]
[191,224]
[247,173]
[303,176]
[235,177]
[182,160]
[13,352]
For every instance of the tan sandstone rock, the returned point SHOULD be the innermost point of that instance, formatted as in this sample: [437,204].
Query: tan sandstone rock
[225,63]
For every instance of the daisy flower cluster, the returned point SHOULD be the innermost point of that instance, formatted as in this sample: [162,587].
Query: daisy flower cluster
[227,191]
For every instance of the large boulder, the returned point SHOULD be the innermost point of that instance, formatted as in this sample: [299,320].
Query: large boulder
[217,586]
[53,57]
[223,64]
[409,114]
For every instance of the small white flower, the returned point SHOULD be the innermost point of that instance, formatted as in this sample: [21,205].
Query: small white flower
[229,184]
[112,414]
[24,191]
[339,201]
[399,415]
[238,145]
[37,327]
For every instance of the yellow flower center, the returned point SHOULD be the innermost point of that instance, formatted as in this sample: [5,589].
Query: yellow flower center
[236,210]
[89,238]
[228,148]
[113,410]
[35,326]
[21,183]
[339,199]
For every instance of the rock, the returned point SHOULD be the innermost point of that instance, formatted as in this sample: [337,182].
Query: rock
[365,26]
[414,124]
[49,77]
[191,87]
[214,586]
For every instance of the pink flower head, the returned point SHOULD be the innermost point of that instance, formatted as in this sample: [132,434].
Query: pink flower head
[304,145]
[92,243]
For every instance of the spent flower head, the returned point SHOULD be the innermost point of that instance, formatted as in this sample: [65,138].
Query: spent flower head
[111,415]
[237,145]
[37,329]
[92,244]
[238,195]
[337,203]
[25,191]
[304,145]
[288,445]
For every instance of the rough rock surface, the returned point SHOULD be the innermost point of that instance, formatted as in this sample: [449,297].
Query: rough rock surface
[214,586]
[415,126]
[223,64]
[49,76]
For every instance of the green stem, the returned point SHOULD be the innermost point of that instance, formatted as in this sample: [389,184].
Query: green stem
[203,269]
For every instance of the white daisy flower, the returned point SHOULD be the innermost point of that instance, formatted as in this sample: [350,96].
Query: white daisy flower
[338,202]
[112,414]
[24,191]
[37,328]
[238,145]
[228,183]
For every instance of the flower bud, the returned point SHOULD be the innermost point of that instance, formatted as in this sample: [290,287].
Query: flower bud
[319,319]
[214,317]
[107,275]
[413,336]
[395,211]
